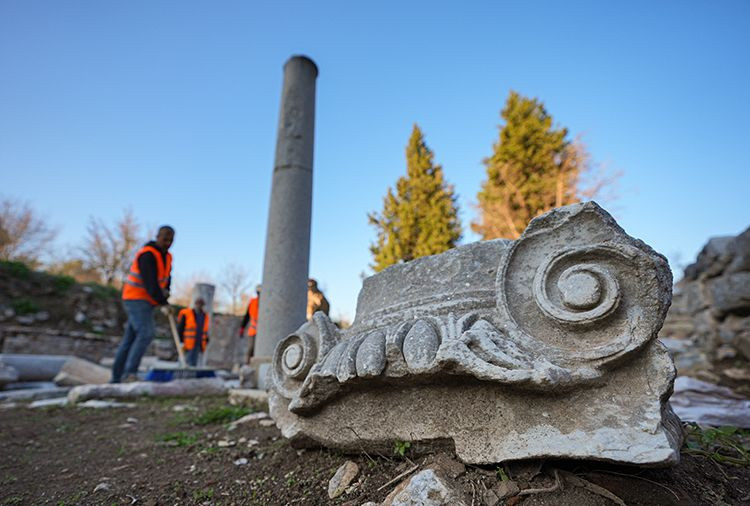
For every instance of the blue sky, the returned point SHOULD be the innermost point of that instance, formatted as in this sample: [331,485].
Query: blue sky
[170,108]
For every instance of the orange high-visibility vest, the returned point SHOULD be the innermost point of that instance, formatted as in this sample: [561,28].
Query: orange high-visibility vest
[252,308]
[191,329]
[133,286]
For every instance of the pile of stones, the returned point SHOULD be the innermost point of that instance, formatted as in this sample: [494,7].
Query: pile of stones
[708,326]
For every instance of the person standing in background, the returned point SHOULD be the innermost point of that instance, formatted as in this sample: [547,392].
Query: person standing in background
[192,326]
[316,301]
[251,317]
[145,287]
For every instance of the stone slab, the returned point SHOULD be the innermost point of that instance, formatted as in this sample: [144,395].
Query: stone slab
[77,371]
[32,394]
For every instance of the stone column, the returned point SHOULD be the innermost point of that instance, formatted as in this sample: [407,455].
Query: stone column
[283,298]
[204,291]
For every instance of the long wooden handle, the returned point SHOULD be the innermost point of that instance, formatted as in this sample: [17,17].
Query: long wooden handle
[176,337]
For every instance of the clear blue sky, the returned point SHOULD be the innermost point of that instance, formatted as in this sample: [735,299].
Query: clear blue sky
[170,107]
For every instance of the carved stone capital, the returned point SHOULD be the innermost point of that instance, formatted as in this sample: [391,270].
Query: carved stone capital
[557,317]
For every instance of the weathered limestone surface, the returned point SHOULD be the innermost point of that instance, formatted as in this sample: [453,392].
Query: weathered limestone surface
[535,348]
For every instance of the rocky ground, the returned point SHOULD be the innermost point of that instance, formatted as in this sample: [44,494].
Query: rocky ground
[179,451]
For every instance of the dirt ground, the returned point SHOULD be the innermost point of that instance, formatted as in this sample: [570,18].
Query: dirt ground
[182,451]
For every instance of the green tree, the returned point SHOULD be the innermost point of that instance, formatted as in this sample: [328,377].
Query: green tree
[534,168]
[421,217]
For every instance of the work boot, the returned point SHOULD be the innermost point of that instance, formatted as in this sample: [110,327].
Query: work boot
[130,378]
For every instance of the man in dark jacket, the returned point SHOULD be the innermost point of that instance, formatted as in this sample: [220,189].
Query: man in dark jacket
[145,287]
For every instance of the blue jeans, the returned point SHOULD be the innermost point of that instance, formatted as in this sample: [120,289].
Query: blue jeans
[139,332]
[192,355]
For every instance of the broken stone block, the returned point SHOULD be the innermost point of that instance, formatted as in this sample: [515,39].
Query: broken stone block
[345,474]
[426,488]
[76,371]
[543,347]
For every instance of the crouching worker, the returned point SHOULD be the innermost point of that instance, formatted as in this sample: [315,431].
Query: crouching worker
[192,325]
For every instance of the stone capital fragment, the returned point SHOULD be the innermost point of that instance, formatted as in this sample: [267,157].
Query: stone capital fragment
[543,347]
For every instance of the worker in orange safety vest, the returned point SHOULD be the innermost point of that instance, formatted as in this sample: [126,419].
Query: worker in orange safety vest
[145,287]
[251,317]
[192,326]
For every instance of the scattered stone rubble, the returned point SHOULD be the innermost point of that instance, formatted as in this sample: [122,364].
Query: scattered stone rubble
[542,347]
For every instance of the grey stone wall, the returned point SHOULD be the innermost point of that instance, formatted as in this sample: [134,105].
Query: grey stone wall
[47,341]
[708,325]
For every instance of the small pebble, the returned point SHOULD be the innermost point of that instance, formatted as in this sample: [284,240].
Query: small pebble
[102,486]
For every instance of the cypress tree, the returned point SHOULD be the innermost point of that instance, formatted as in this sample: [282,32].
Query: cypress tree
[534,168]
[421,217]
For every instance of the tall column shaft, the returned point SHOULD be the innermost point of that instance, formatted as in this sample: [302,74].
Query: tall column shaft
[283,298]
[206,292]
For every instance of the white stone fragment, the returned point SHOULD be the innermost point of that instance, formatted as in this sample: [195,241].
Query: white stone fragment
[345,474]
[425,488]
[543,347]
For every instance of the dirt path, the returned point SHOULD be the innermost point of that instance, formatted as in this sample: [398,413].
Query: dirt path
[181,452]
